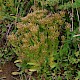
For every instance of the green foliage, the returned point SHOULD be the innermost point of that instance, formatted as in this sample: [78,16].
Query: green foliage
[42,40]
[10,12]
[69,4]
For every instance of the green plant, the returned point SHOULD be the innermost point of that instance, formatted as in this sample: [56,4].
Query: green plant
[42,40]
[69,4]
[36,40]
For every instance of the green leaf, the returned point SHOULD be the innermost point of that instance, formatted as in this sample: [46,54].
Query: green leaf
[77,53]
[1,55]
[34,64]
[78,74]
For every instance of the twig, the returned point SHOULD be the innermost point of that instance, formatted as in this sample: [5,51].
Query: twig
[9,28]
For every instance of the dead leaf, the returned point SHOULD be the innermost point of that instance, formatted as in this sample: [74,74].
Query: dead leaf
[15,73]
[18,61]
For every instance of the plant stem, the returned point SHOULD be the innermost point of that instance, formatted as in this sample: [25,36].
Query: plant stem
[34,5]
[72,16]
[79,24]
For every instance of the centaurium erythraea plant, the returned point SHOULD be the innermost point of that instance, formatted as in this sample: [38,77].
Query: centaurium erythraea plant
[37,38]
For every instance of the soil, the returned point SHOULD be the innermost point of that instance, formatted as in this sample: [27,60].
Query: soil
[6,70]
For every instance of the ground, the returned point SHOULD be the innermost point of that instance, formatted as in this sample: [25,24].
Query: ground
[6,70]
